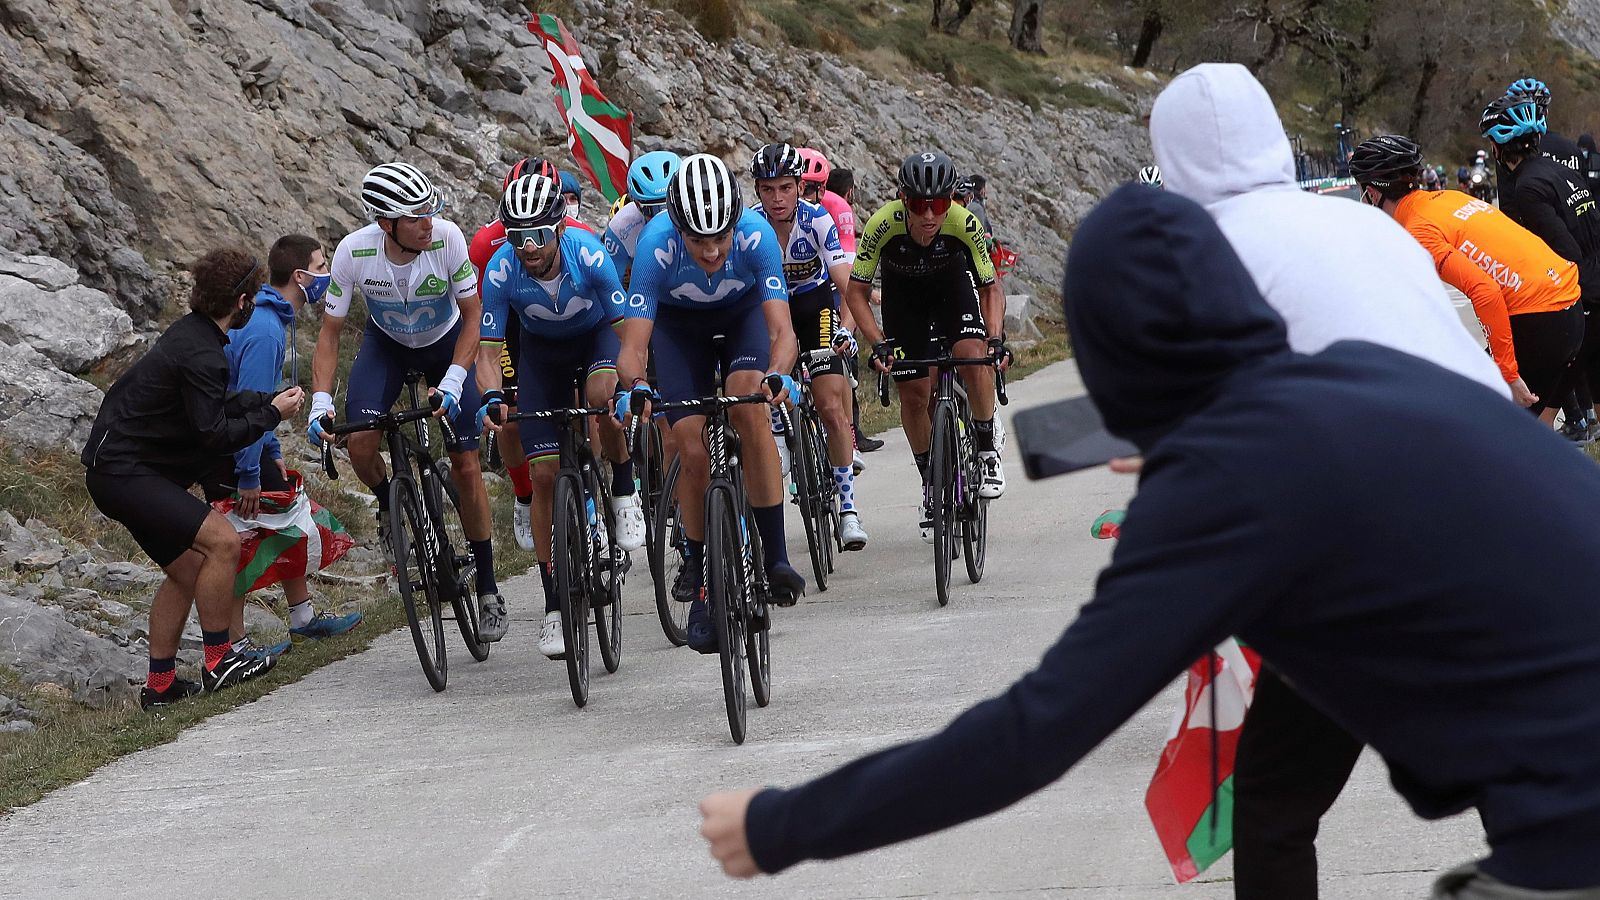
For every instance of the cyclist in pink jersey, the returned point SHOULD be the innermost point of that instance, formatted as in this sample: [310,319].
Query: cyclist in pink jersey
[815,185]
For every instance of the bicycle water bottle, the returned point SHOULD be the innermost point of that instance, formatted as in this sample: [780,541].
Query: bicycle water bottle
[594,523]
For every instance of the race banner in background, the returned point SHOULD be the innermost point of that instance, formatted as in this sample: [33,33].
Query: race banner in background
[599,133]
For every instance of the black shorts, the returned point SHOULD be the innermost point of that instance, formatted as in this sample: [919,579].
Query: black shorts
[161,514]
[815,314]
[687,360]
[920,313]
[222,481]
[1547,347]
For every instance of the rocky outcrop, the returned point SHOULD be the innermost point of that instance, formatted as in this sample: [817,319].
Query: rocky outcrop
[38,642]
[43,305]
[42,407]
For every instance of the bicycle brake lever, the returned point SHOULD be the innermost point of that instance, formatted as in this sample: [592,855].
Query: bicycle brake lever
[328,468]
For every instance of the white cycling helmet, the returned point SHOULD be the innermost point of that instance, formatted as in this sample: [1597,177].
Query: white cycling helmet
[396,190]
[532,201]
[1150,175]
[703,199]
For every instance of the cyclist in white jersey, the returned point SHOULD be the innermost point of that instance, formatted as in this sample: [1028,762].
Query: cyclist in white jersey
[423,313]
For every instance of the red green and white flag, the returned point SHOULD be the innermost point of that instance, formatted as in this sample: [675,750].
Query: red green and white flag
[599,132]
[1190,799]
[290,537]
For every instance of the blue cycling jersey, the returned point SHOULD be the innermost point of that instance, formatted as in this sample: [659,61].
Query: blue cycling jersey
[665,274]
[586,293]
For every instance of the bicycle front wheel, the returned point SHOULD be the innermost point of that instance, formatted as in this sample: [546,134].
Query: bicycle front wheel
[807,489]
[974,515]
[666,552]
[414,576]
[942,476]
[571,548]
[726,585]
[827,493]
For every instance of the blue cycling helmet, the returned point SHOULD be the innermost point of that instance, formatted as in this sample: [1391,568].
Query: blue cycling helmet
[1508,118]
[1533,88]
[650,174]
[570,185]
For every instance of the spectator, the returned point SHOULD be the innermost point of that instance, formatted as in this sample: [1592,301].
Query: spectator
[161,426]
[572,193]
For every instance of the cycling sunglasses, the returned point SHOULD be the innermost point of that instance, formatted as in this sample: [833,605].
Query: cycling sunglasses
[538,236]
[923,206]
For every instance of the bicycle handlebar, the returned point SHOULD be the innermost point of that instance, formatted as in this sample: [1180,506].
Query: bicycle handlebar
[949,362]
[390,421]
[557,414]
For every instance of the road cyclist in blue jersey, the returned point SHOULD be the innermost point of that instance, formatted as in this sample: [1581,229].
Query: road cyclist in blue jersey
[648,177]
[558,286]
[713,267]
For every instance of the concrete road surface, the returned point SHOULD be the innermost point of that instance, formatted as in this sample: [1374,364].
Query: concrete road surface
[360,781]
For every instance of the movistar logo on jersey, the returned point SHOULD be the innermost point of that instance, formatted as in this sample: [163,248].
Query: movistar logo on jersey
[694,294]
[432,286]
[575,306]
[591,258]
[364,252]
[748,242]
[498,276]
[462,273]
[408,323]
[665,254]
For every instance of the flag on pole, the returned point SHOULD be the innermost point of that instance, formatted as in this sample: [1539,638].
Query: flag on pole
[1190,798]
[290,537]
[599,133]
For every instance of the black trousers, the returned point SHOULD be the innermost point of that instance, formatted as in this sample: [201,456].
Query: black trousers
[1291,764]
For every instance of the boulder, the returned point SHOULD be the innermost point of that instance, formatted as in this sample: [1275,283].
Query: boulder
[41,407]
[43,647]
[74,326]
[1020,316]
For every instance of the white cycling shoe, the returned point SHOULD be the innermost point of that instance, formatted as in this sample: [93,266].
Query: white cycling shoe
[851,535]
[994,477]
[522,523]
[552,642]
[629,517]
[784,459]
[857,464]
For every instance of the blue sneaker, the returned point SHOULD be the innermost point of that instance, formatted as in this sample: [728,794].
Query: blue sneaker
[702,632]
[326,625]
[246,646]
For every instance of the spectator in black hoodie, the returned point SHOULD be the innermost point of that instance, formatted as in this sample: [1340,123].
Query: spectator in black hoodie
[163,426]
[1368,521]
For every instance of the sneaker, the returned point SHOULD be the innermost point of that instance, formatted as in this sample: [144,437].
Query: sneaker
[851,534]
[248,646]
[325,625]
[630,521]
[234,668]
[702,633]
[926,526]
[492,618]
[786,585]
[178,690]
[522,523]
[857,464]
[552,640]
[684,588]
[994,477]
[867,444]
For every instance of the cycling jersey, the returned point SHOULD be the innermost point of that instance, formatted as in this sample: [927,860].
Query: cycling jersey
[1503,268]
[845,218]
[959,243]
[664,274]
[1553,147]
[812,249]
[492,237]
[587,292]
[1557,205]
[622,234]
[414,303]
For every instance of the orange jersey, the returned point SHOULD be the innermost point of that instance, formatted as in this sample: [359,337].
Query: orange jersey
[1503,268]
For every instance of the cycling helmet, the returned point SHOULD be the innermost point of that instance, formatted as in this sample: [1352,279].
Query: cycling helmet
[964,186]
[571,185]
[396,190]
[930,174]
[1510,117]
[530,165]
[1387,162]
[777,161]
[703,198]
[622,200]
[817,168]
[1535,89]
[1150,175]
[532,201]
[650,175]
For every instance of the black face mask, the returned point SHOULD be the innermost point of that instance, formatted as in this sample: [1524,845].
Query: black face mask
[243,313]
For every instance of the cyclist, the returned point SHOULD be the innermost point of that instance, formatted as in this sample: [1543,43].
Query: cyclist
[713,267]
[1524,294]
[935,266]
[843,183]
[421,294]
[556,286]
[967,196]
[813,263]
[648,178]
[1151,175]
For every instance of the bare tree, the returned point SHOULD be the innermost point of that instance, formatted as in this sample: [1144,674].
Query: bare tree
[1149,29]
[1025,16]
[950,21]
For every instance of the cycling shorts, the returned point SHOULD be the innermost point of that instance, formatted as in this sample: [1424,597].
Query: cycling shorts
[161,514]
[1547,345]
[687,358]
[548,367]
[815,314]
[379,373]
[920,313]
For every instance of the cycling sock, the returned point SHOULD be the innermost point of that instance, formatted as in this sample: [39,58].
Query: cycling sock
[217,646]
[769,522]
[922,466]
[694,552]
[525,501]
[983,434]
[548,580]
[521,479]
[844,478]
[622,479]
[382,490]
[483,555]
[162,673]
[301,614]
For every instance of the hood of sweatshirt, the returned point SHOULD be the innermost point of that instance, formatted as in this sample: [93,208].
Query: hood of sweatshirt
[1161,311]
[1217,135]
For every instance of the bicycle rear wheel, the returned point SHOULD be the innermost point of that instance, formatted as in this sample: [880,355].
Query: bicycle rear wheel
[414,575]
[457,570]
[806,496]
[974,512]
[725,583]
[942,477]
[571,550]
[607,581]
[666,548]
[827,493]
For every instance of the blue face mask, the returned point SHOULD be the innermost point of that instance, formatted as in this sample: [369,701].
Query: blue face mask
[317,287]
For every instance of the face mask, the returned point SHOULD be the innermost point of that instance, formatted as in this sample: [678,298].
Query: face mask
[318,286]
[243,314]
[572,209]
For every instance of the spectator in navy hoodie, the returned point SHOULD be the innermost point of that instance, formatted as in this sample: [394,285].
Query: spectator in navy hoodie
[1368,521]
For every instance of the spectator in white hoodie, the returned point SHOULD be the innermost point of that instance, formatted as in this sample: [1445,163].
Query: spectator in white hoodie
[1334,270]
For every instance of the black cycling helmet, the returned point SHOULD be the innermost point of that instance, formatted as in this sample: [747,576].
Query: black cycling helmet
[1388,162]
[777,161]
[927,175]
[1512,121]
